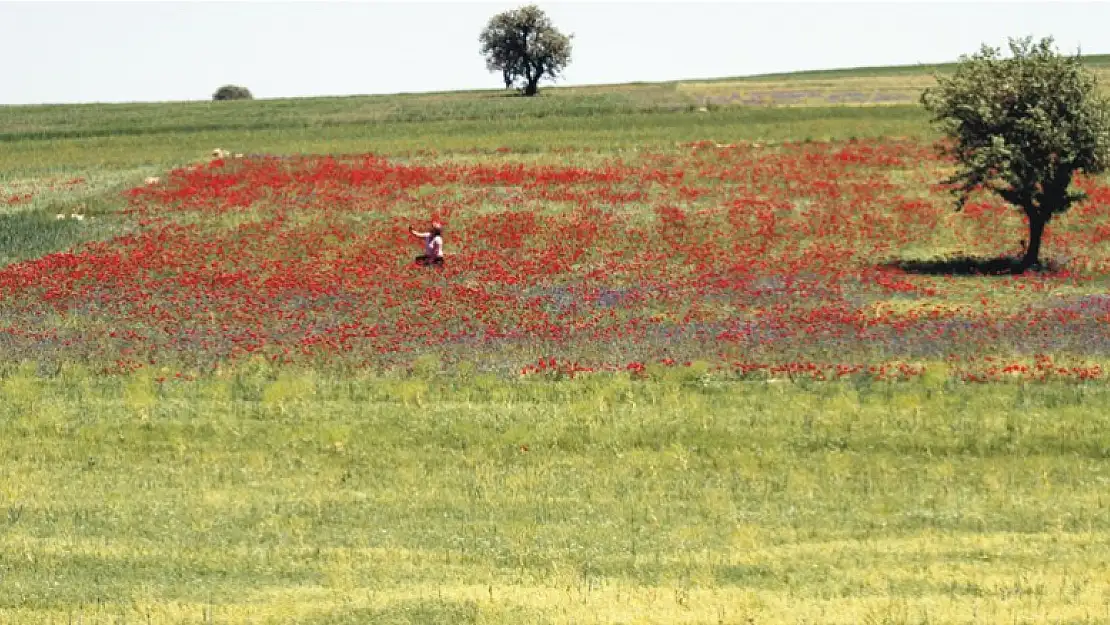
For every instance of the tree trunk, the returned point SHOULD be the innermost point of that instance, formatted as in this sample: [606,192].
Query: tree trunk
[1033,251]
[532,87]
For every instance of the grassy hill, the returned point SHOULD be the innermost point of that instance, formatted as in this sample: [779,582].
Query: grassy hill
[812,104]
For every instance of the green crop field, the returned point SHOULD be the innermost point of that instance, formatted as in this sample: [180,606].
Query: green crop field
[445,488]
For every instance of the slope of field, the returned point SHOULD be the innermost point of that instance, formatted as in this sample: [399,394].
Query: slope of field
[702,352]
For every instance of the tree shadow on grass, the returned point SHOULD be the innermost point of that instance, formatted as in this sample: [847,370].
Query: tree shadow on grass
[969,266]
[515,93]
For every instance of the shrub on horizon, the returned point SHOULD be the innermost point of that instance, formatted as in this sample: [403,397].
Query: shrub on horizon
[232,92]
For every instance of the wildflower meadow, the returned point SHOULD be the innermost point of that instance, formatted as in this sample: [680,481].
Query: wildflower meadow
[794,259]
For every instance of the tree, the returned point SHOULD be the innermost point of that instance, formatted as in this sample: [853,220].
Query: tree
[525,47]
[1022,127]
[232,92]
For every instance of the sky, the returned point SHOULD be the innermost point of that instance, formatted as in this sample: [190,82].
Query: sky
[142,51]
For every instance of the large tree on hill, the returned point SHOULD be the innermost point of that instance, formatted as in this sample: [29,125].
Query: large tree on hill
[1021,127]
[525,47]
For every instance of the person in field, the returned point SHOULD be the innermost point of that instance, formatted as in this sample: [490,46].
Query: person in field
[433,244]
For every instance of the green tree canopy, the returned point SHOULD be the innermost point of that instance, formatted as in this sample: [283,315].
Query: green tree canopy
[1021,127]
[525,47]
[232,92]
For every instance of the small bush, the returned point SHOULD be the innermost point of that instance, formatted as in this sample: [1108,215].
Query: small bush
[232,92]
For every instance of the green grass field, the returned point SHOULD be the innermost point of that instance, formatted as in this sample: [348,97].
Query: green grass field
[303,499]
[258,495]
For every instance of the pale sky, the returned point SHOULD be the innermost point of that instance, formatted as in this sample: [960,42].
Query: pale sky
[60,52]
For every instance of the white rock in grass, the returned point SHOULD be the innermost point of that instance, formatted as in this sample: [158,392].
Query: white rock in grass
[77,216]
[153,180]
[59,216]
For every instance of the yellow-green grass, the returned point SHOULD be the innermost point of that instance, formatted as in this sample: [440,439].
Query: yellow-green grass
[250,497]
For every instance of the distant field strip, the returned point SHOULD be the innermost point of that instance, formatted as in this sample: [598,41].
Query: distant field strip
[817,91]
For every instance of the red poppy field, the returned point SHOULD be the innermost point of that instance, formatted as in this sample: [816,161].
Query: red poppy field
[796,259]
